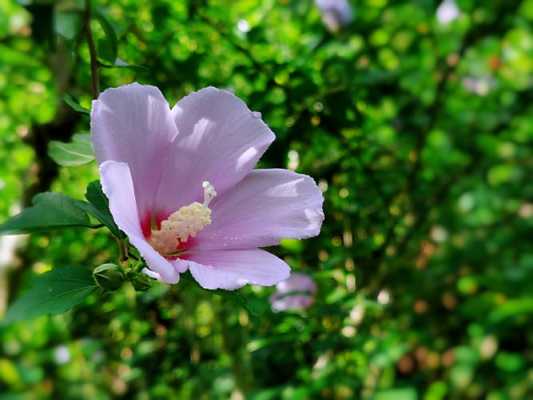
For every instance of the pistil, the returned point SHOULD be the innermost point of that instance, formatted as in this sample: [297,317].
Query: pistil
[183,224]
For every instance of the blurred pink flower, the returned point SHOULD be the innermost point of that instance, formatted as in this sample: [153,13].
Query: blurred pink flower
[182,187]
[335,13]
[480,85]
[295,293]
[447,12]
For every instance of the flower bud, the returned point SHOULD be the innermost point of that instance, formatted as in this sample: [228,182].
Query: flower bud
[108,276]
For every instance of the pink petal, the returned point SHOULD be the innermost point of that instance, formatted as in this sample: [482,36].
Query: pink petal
[117,184]
[266,206]
[297,282]
[294,293]
[297,302]
[220,141]
[335,13]
[233,269]
[133,124]
[180,265]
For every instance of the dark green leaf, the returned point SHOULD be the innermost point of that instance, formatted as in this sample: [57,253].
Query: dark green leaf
[78,151]
[98,206]
[67,98]
[52,293]
[49,211]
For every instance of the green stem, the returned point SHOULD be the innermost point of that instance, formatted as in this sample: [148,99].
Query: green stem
[123,250]
[95,79]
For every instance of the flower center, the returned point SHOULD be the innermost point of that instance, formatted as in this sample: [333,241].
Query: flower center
[183,224]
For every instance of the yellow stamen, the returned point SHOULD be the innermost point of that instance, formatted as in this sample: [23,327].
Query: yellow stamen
[183,224]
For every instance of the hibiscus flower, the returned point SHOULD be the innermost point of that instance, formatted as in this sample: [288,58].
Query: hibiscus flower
[182,186]
[295,293]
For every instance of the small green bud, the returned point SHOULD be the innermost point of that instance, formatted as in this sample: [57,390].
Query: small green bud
[108,276]
[140,281]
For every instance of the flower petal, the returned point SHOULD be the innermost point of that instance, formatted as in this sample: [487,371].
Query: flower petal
[117,185]
[233,269]
[266,206]
[220,141]
[133,124]
[180,265]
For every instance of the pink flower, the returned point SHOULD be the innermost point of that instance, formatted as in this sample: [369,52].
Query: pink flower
[447,12]
[480,85]
[294,293]
[335,13]
[182,187]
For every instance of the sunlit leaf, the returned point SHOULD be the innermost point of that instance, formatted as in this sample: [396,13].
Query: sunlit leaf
[396,394]
[67,98]
[512,308]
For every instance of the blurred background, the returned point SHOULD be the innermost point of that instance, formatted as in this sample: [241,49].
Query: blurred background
[415,118]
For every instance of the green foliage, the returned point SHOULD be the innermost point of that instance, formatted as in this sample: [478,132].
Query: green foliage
[52,293]
[418,132]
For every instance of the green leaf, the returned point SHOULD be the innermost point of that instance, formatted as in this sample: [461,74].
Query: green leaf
[98,206]
[78,151]
[49,211]
[292,245]
[67,98]
[396,394]
[512,308]
[107,47]
[52,293]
